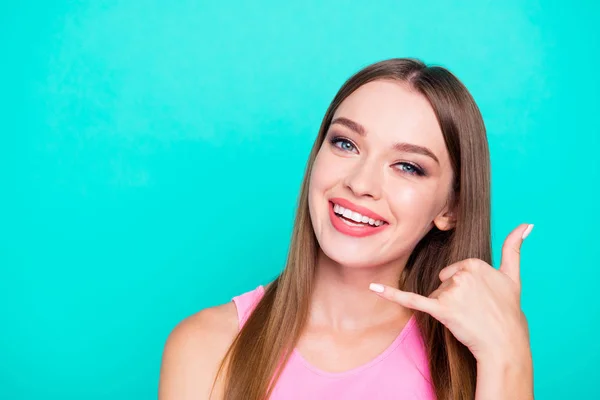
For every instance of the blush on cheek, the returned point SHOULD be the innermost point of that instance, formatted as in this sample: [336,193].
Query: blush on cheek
[410,200]
[329,168]
[413,210]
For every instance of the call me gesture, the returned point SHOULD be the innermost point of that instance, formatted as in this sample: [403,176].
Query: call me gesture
[481,306]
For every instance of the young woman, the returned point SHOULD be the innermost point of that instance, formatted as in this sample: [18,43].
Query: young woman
[388,291]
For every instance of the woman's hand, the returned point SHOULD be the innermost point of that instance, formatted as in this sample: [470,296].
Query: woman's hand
[480,305]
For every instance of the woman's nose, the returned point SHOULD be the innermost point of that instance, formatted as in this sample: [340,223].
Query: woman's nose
[364,180]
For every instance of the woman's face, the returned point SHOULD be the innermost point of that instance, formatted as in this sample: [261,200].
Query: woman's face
[383,157]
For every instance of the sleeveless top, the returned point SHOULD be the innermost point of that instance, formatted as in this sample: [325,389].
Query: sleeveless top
[400,372]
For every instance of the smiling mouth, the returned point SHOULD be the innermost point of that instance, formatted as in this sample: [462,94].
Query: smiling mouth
[353,218]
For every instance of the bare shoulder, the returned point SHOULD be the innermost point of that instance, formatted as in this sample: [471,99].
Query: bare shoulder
[193,352]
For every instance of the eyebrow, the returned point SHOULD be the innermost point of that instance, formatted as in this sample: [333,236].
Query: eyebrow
[401,147]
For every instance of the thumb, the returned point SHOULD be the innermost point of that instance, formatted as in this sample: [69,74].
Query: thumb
[511,252]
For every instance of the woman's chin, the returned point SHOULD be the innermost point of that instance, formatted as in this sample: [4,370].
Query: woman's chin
[348,259]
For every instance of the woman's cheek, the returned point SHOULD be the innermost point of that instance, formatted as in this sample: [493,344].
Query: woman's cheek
[406,199]
[322,169]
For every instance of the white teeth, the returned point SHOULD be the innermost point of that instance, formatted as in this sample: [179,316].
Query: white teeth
[354,216]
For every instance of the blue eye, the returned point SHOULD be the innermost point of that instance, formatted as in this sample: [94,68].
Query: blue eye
[411,169]
[344,144]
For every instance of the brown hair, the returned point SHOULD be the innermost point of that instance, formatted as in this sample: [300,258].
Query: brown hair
[253,362]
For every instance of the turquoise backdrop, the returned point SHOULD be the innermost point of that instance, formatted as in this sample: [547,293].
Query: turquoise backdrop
[151,154]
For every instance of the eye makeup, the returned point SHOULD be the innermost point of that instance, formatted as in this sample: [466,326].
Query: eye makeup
[339,141]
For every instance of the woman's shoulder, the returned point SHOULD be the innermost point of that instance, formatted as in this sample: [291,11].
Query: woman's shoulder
[209,324]
[194,350]
[196,346]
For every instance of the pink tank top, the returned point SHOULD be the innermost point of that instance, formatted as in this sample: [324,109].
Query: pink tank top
[400,372]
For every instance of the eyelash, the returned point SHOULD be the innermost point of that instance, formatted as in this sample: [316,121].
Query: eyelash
[337,139]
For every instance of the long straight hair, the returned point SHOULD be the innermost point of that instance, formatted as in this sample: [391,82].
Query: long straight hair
[259,352]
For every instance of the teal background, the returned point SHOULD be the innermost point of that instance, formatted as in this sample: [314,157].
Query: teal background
[151,154]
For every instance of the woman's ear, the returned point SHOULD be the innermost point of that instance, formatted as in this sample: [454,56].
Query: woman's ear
[445,221]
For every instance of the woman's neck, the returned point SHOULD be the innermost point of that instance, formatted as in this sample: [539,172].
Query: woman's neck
[342,300]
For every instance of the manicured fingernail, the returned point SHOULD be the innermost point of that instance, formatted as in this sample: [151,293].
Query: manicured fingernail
[527,231]
[376,287]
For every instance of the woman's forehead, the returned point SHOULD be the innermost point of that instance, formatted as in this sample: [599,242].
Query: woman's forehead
[390,111]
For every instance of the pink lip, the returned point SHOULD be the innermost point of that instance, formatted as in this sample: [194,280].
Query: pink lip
[361,210]
[356,231]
